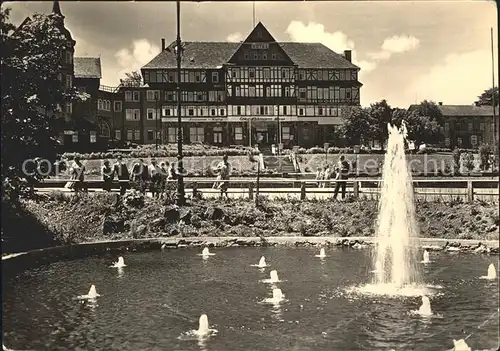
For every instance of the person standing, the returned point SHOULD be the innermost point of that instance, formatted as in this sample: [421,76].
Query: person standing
[155,178]
[224,170]
[342,174]
[140,176]
[122,173]
[108,174]
[77,173]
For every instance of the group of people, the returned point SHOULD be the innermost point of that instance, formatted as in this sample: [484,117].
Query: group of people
[339,172]
[152,177]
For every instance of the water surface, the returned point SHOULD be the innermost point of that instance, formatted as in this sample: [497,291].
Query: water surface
[160,295]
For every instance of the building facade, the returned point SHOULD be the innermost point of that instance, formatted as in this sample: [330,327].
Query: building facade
[258,91]
[467,126]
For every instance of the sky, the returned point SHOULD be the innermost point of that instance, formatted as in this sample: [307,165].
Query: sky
[408,51]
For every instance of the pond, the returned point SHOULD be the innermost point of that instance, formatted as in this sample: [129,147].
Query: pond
[156,300]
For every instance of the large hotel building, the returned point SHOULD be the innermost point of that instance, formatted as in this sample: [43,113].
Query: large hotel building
[243,93]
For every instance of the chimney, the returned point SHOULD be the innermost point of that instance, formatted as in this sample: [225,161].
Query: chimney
[347,55]
[440,103]
[162,44]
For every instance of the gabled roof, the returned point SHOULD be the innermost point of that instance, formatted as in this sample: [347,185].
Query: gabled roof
[203,55]
[87,67]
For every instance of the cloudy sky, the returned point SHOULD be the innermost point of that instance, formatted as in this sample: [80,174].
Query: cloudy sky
[407,51]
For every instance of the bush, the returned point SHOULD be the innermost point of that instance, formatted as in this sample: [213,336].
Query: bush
[468,161]
[457,154]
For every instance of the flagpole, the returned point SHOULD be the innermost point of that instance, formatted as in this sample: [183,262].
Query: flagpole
[253,14]
[495,124]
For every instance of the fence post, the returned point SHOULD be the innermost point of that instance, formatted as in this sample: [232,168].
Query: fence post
[303,191]
[470,191]
[195,189]
[355,187]
[250,190]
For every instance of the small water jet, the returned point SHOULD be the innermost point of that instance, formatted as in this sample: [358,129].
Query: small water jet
[120,263]
[425,308]
[92,294]
[277,295]
[426,257]
[262,263]
[273,278]
[460,345]
[492,273]
[203,326]
[322,253]
[205,253]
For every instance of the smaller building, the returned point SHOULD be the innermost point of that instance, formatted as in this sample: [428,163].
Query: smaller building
[467,126]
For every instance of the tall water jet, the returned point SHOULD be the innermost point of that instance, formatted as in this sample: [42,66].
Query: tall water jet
[203,327]
[396,228]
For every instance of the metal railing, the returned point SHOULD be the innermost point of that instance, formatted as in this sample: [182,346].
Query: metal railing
[108,88]
[427,189]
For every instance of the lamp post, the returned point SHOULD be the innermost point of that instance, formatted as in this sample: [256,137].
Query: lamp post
[180,178]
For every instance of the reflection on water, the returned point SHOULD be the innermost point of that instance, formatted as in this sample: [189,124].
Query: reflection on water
[161,296]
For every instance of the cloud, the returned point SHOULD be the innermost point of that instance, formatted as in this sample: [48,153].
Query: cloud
[457,79]
[234,37]
[336,41]
[395,45]
[142,51]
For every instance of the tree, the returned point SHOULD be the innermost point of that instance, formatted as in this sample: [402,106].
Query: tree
[355,125]
[379,114]
[421,129]
[31,90]
[485,99]
[133,79]
[431,110]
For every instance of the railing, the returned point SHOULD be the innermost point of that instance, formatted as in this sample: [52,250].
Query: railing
[108,89]
[428,189]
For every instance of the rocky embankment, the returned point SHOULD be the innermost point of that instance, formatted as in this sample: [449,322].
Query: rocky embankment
[95,217]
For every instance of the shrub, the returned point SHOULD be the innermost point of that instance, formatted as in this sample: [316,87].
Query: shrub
[468,161]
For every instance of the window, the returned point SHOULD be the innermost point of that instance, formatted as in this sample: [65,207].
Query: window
[215,77]
[171,135]
[238,133]
[132,114]
[137,134]
[153,95]
[131,96]
[190,111]
[93,136]
[213,112]
[130,134]
[118,106]
[246,56]
[82,89]
[104,130]
[285,133]
[151,113]
[273,56]
[74,137]
[69,57]
[69,81]
[217,135]
[301,112]
[99,104]
[150,135]
[196,134]
[222,112]
[118,134]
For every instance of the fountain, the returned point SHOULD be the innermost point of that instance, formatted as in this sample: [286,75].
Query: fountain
[274,277]
[203,327]
[277,295]
[262,263]
[460,345]
[425,308]
[397,229]
[206,252]
[92,294]
[425,258]
[492,272]
[322,253]
[120,263]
